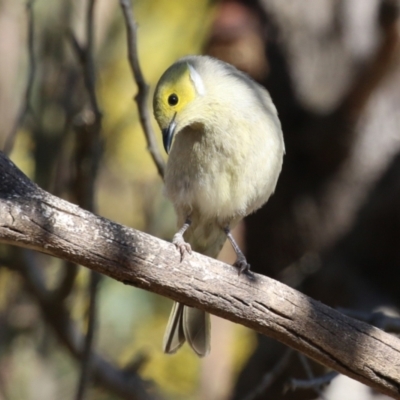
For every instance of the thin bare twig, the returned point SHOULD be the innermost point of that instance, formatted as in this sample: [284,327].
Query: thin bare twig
[377,318]
[310,375]
[26,105]
[87,124]
[270,377]
[89,68]
[313,383]
[64,288]
[143,88]
[88,155]
[87,356]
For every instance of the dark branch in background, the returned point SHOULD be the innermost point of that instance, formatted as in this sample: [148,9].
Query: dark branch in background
[310,374]
[379,319]
[383,61]
[143,88]
[26,105]
[33,218]
[313,383]
[89,68]
[87,359]
[88,155]
[125,384]
[318,146]
[64,288]
[270,377]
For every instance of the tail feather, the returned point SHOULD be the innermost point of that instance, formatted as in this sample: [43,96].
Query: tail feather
[197,330]
[174,336]
[187,324]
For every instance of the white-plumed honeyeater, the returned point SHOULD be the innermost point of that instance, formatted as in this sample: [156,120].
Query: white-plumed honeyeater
[225,147]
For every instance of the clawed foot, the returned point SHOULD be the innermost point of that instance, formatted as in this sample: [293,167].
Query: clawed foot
[241,264]
[183,247]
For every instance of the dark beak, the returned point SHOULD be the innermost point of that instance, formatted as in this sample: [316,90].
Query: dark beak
[168,134]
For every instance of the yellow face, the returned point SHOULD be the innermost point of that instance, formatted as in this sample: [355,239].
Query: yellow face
[174,91]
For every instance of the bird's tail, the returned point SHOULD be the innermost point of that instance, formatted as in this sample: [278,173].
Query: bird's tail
[187,324]
[190,324]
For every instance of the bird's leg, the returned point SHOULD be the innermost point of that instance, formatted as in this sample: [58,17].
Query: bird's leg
[241,261]
[179,241]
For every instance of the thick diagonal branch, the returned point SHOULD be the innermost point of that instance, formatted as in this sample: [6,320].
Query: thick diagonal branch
[32,218]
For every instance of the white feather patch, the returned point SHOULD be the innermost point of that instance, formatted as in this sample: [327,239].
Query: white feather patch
[197,81]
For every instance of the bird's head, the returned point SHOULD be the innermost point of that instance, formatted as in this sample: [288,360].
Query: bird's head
[178,91]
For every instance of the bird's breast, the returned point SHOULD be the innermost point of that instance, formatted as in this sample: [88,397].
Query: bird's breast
[198,175]
[221,175]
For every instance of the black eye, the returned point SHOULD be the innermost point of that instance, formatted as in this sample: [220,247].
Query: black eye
[173,99]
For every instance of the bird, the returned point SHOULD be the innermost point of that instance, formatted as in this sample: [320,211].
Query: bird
[225,149]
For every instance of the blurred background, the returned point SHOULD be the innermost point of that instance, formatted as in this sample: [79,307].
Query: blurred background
[331,230]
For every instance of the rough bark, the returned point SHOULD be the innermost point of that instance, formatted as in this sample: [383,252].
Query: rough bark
[35,219]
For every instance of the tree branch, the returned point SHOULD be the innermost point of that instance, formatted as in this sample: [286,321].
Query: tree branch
[88,156]
[143,87]
[313,383]
[377,318]
[26,105]
[33,218]
[270,377]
